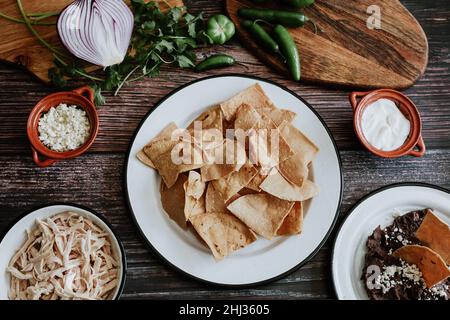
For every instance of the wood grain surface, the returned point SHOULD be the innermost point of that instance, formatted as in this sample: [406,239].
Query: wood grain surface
[346,52]
[95,179]
[19,46]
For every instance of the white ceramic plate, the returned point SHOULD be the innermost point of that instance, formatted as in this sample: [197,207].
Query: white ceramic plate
[16,236]
[263,260]
[378,208]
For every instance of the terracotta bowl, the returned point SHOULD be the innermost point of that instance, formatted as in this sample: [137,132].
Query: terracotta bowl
[83,98]
[413,145]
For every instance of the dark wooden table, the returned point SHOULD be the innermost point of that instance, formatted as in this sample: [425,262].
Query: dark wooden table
[95,179]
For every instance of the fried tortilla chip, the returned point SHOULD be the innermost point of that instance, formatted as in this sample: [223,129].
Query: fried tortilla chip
[435,233]
[216,171]
[231,157]
[165,133]
[158,147]
[293,222]
[213,200]
[246,118]
[230,185]
[433,268]
[172,200]
[194,189]
[210,119]
[167,169]
[254,96]
[243,192]
[294,169]
[222,232]
[266,145]
[256,181]
[261,212]
[268,149]
[278,116]
[276,185]
[160,153]
[207,131]
[144,159]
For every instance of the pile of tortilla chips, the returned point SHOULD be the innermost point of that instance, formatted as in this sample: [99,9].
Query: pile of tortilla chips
[256,191]
[433,257]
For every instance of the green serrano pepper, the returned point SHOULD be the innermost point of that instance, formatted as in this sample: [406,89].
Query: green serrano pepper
[261,35]
[215,61]
[286,18]
[289,51]
[299,3]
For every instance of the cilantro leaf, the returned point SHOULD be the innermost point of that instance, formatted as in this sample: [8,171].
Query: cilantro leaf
[184,61]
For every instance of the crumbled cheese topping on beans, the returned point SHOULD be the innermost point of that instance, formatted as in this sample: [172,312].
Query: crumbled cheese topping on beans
[64,128]
[386,280]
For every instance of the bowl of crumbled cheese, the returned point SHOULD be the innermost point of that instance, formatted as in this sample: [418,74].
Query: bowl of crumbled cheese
[63,125]
[61,251]
[387,123]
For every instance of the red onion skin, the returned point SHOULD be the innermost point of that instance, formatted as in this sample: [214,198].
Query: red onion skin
[86,48]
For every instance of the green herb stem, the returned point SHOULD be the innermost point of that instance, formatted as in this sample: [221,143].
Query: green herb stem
[81,73]
[145,74]
[35,33]
[42,14]
[35,22]
[125,80]
[162,59]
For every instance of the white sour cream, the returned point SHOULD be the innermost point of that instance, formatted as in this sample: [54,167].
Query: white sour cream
[384,126]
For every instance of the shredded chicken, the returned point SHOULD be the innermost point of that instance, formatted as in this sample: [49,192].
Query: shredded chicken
[65,257]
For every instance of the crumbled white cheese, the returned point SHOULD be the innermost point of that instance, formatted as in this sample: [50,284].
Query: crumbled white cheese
[406,272]
[64,128]
[439,291]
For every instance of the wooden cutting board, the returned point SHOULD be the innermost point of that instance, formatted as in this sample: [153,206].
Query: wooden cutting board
[19,46]
[346,52]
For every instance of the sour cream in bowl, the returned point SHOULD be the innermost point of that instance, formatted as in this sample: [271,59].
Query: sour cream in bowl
[384,125]
[387,123]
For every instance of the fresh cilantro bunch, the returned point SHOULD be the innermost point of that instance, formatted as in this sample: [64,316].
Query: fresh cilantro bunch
[158,38]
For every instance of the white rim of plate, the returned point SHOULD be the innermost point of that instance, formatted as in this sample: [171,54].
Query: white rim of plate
[186,273]
[351,211]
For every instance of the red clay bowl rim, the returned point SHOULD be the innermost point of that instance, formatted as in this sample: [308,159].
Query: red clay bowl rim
[416,123]
[36,112]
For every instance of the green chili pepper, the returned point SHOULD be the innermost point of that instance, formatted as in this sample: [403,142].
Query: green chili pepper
[289,50]
[220,29]
[299,3]
[286,18]
[215,61]
[261,35]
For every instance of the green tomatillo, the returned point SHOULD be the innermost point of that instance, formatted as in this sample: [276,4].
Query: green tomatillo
[220,29]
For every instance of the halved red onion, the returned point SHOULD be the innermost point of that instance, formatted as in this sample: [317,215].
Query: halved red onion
[98,31]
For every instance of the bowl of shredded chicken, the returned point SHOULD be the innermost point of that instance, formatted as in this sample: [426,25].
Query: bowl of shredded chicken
[65,253]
